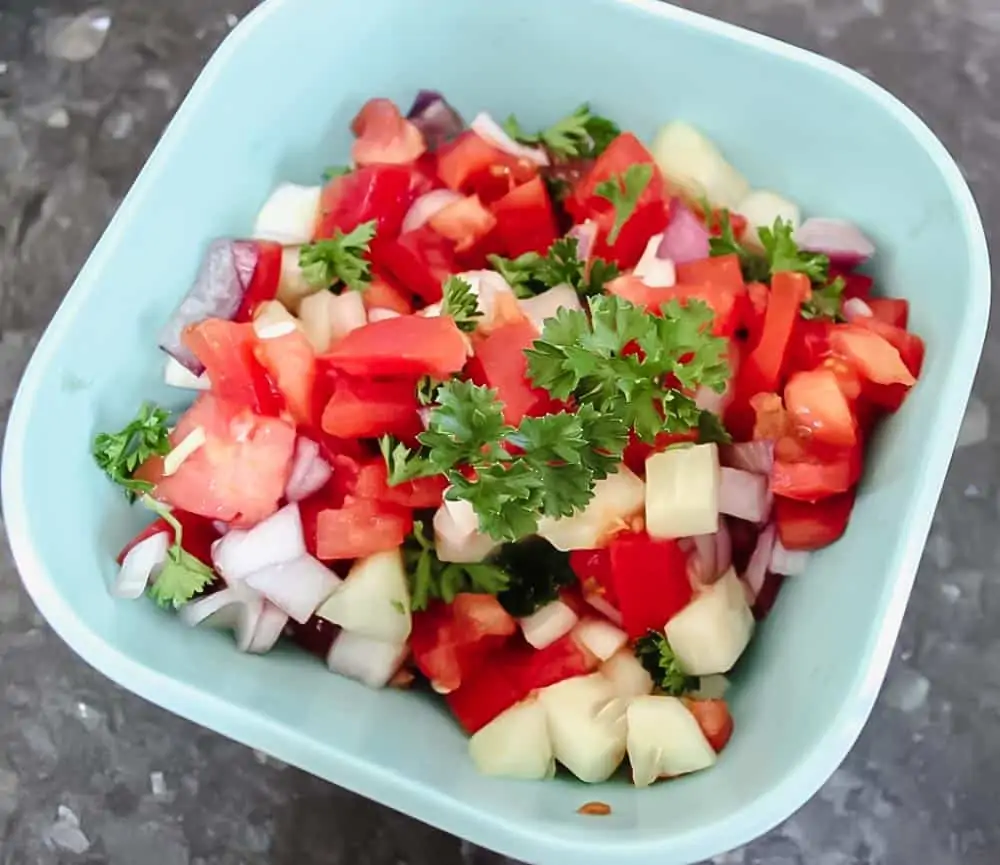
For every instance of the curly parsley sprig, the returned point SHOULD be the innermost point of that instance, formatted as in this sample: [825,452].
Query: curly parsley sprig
[119,454]
[531,273]
[655,654]
[182,576]
[581,134]
[339,259]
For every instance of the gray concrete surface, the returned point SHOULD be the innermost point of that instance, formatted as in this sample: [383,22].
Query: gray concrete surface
[91,774]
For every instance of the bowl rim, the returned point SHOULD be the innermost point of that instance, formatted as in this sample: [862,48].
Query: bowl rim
[398,791]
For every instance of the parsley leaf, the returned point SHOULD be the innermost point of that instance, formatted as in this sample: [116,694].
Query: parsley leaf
[530,274]
[182,576]
[756,267]
[826,302]
[403,463]
[461,303]
[580,134]
[119,454]
[426,390]
[339,259]
[712,429]
[536,572]
[624,191]
[332,171]
[466,426]
[783,253]
[430,578]
[658,658]
[592,359]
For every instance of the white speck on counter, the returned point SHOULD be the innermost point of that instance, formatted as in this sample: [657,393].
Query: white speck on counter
[157,784]
[65,832]
[941,550]
[907,690]
[231,20]
[58,119]
[3,67]
[77,39]
[120,125]
[975,424]
[950,592]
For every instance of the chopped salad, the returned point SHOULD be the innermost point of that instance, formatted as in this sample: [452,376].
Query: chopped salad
[541,419]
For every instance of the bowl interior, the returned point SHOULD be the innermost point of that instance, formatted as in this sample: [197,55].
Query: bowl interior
[275,105]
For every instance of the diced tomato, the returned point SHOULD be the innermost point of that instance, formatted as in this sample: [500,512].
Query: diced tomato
[291,363]
[382,294]
[525,220]
[420,260]
[813,473]
[409,346]
[911,350]
[855,284]
[473,166]
[622,153]
[368,408]
[360,528]
[723,270]
[384,136]
[771,419]
[847,378]
[809,345]
[227,351]
[463,222]
[645,221]
[726,303]
[814,400]
[892,310]
[372,482]
[714,719]
[756,310]
[593,570]
[761,370]
[239,474]
[713,221]
[650,580]
[875,358]
[451,641]
[197,535]
[264,282]
[501,363]
[563,659]
[812,525]
[382,193]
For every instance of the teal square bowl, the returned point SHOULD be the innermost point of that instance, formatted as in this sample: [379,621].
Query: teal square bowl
[274,104]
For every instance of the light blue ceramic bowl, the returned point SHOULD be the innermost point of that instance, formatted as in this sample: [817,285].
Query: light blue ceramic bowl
[274,104]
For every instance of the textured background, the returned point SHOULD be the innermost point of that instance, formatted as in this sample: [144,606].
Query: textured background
[90,774]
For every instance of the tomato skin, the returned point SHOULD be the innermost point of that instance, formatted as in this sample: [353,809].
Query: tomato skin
[809,344]
[815,400]
[813,474]
[473,166]
[463,222]
[500,363]
[714,719]
[360,528]
[894,311]
[525,220]
[239,474]
[406,347]
[723,270]
[650,580]
[384,136]
[291,364]
[761,370]
[812,525]
[227,351]
[366,408]
[382,294]
[380,192]
[874,357]
[911,350]
[263,284]
[419,260]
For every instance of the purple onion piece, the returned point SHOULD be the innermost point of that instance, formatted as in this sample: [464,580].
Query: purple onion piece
[435,118]
[218,289]
[841,241]
[685,238]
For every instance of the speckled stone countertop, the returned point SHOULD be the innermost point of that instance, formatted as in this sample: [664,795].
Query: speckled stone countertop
[91,774]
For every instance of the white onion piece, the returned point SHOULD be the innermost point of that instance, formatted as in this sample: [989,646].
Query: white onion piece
[378,313]
[185,448]
[270,625]
[298,587]
[140,563]
[236,608]
[755,456]
[276,540]
[585,234]
[292,284]
[221,526]
[426,206]
[840,240]
[628,676]
[456,534]
[488,129]
[654,271]
[601,638]
[756,570]
[763,208]
[744,495]
[371,662]
[176,375]
[548,624]
[545,305]
[604,607]
[701,562]
[289,215]
[788,563]
[309,471]
[855,308]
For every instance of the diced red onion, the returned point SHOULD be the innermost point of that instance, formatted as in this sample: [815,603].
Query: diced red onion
[604,607]
[270,626]
[298,587]
[548,624]
[378,313]
[309,471]
[855,308]
[755,456]
[601,638]
[371,662]
[655,270]
[435,118]
[723,547]
[426,206]
[585,234]
[236,607]
[276,540]
[218,289]
[789,563]
[141,562]
[840,240]
[744,495]
[685,237]
[757,567]
[701,561]
[488,129]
